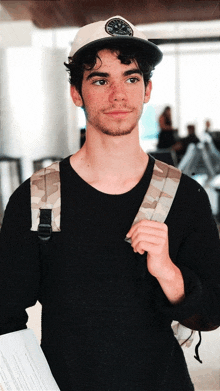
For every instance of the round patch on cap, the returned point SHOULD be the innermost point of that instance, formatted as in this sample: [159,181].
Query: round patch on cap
[118,27]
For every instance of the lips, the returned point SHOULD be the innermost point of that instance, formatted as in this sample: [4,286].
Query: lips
[117,113]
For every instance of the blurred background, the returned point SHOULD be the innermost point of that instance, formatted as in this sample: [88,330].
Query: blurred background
[180,125]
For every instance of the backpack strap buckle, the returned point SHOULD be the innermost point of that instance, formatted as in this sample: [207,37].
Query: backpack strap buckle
[44,227]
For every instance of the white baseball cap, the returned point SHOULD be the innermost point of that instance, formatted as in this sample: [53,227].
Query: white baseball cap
[114,29]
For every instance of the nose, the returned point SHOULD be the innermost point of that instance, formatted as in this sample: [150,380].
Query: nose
[117,93]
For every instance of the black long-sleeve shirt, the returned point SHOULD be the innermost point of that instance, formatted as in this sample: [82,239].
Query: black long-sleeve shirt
[105,319]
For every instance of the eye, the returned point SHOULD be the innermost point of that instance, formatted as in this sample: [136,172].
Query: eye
[133,80]
[100,82]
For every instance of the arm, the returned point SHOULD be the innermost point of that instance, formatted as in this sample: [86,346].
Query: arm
[195,250]
[152,237]
[172,285]
[19,289]
[19,263]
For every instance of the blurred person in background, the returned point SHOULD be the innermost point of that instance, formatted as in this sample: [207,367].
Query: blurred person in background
[182,144]
[207,126]
[167,135]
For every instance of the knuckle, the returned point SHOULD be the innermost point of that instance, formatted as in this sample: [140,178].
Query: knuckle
[138,229]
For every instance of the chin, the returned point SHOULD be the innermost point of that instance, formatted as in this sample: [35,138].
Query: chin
[116,133]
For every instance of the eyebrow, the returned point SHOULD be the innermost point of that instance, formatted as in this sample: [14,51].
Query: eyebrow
[133,71]
[105,74]
[100,74]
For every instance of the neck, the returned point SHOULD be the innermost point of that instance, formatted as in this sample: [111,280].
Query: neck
[113,155]
[111,164]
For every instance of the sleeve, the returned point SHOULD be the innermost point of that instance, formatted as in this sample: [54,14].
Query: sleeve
[19,262]
[198,258]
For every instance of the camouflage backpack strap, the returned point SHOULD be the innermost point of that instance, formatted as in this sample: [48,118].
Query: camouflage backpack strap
[46,196]
[160,194]
[156,206]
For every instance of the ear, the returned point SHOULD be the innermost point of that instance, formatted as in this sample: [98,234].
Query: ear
[76,97]
[148,90]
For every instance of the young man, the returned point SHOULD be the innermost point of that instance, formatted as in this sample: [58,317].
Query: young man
[107,305]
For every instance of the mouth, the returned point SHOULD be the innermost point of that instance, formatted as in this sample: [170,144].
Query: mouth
[118,113]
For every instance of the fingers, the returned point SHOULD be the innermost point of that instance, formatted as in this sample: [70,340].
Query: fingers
[151,234]
[151,244]
[149,228]
[142,246]
[148,236]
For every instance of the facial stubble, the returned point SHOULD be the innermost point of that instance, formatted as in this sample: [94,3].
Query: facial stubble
[109,130]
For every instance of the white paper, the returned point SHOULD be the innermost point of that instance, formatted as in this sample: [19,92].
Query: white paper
[183,335]
[23,365]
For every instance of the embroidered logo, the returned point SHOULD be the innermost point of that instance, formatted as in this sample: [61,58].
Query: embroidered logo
[118,27]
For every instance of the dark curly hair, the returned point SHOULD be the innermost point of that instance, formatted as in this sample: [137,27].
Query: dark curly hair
[86,60]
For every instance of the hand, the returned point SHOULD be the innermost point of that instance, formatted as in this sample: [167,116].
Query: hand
[152,237]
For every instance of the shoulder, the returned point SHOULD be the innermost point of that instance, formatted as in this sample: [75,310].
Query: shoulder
[191,189]
[19,204]
[21,195]
[191,214]
[18,210]
[191,201]
[187,186]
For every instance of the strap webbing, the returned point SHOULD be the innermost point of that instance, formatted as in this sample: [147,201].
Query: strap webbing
[160,194]
[45,194]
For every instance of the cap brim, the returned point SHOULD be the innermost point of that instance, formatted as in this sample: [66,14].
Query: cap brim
[152,52]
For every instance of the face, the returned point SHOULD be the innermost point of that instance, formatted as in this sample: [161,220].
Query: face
[208,124]
[113,95]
